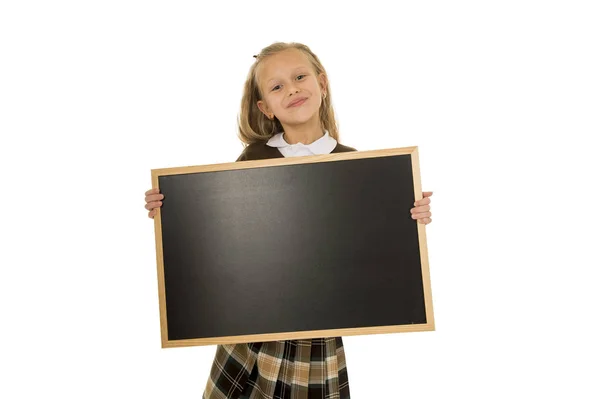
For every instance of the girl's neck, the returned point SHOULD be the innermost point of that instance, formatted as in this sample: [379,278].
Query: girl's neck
[304,134]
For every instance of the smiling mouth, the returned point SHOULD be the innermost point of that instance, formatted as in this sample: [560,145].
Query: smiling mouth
[297,103]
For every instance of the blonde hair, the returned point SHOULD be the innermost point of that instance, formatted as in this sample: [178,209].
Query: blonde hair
[253,125]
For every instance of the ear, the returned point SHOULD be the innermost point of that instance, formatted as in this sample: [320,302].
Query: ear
[322,78]
[264,108]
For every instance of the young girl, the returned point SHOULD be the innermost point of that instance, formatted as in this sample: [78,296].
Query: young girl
[286,111]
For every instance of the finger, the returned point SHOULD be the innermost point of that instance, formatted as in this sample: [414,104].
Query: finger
[151,214]
[152,191]
[151,205]
[421,215]
[424,221]
[423,201]
[419,209]
[154,197]
[427,193]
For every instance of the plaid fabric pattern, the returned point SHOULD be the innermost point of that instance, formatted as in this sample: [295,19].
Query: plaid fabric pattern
[295,369]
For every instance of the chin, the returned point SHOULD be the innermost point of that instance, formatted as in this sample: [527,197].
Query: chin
[301,117]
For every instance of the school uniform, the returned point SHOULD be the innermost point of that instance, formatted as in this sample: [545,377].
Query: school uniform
[292,369]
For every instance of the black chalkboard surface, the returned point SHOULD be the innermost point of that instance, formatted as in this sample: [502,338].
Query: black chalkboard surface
[292,248]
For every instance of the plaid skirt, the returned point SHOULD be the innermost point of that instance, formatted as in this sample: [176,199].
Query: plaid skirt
[296,369]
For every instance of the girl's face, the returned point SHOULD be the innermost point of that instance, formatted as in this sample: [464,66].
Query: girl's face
[291,90]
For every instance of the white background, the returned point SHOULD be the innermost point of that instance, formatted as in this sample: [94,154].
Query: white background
[502,98]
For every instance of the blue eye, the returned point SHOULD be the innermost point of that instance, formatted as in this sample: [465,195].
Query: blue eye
[301,75]
[275,88]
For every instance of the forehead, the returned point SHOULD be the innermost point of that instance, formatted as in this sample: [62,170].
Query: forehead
[282,64]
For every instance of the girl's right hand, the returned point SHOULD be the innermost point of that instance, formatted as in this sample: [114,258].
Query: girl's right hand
[153,200]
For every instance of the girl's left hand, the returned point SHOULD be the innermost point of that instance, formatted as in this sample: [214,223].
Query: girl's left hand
[422,209]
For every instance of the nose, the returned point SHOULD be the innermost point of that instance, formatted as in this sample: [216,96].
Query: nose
[293,91]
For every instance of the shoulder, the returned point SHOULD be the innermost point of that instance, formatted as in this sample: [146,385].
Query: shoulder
[247,150]
[257,150]
[343,148]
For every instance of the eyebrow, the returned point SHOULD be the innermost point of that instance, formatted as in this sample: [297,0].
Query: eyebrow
[268,82]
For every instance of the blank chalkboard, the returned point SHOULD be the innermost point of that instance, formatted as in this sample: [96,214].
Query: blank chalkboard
[292,248]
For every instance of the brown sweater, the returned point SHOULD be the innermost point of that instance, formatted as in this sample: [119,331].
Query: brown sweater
[261,150]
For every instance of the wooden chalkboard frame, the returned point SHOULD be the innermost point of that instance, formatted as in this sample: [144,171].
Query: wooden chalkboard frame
[428,326]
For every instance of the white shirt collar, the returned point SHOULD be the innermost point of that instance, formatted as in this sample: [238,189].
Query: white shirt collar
[324,145]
